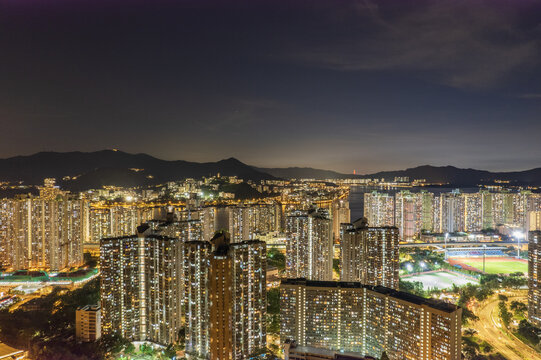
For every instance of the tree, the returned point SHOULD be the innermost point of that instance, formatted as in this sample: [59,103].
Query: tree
[412,287]
[518,306]
[273,301]
[384,356]
[273,324]
[468,315]
[182,337]
[470,347]
[170,352]
[276,258]
[528,331]
[504,313]
[336,265]
[129,349]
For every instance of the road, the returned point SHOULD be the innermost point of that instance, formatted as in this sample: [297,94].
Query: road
[491,330]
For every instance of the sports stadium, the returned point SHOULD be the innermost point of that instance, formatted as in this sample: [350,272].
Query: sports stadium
[486,260]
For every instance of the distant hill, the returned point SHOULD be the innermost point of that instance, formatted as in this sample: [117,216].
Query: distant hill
[462,177]
[432,174]
[111,167]
[304,173]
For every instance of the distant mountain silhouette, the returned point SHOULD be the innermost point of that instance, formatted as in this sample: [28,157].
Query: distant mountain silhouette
[110,167]
[462,177]
[432,174]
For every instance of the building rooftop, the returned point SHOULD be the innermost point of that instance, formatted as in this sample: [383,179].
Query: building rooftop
[89,307]
[7,352]
[327,353]
[437,304]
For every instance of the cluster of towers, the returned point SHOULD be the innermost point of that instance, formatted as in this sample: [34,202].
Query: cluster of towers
[170,276]
[453,211]
[364,312]
[166,278]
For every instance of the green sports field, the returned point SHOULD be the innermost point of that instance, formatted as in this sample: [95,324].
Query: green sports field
[494,265]
[439,280]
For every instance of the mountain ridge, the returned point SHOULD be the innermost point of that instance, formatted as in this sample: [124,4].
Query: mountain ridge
[114,167]
[432,174]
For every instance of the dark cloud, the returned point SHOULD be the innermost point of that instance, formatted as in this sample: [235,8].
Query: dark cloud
[465,43]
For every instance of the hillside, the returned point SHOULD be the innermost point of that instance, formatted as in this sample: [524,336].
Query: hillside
[111,167]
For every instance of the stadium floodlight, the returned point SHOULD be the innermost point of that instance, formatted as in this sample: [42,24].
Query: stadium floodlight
[409,267]
[518,234]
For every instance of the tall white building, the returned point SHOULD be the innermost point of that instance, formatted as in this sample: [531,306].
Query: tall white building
[379,209]
[309,245]
[225,298]
[340,215]
[43,233]
[141,286]
[534,277]
[370,255]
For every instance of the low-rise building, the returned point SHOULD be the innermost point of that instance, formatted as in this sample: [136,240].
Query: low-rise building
[9,353]
[88,323]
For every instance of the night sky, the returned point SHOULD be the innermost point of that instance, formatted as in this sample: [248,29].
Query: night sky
[342,85]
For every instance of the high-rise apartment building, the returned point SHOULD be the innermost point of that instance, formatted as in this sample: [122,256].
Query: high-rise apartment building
[225,291]
[503,209]
[196,256]
[248,221]
[185,229]
[379,209]
[241,223]
[408,214]
[340,215]
[309,245]
[349,316]
[370,255]
[533,221]
[452,210]
[42,232]
[116,220]
[534,277]
[141,286]
[473,211]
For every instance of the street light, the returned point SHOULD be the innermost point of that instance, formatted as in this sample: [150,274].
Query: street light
[446,236]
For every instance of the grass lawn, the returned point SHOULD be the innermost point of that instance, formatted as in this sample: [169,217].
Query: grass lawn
[497,266]
[439,280]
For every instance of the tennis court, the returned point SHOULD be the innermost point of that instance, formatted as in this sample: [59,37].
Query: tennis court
[440,280]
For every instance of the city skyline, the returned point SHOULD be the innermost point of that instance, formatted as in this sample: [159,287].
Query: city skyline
[358,85]
[274,180]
